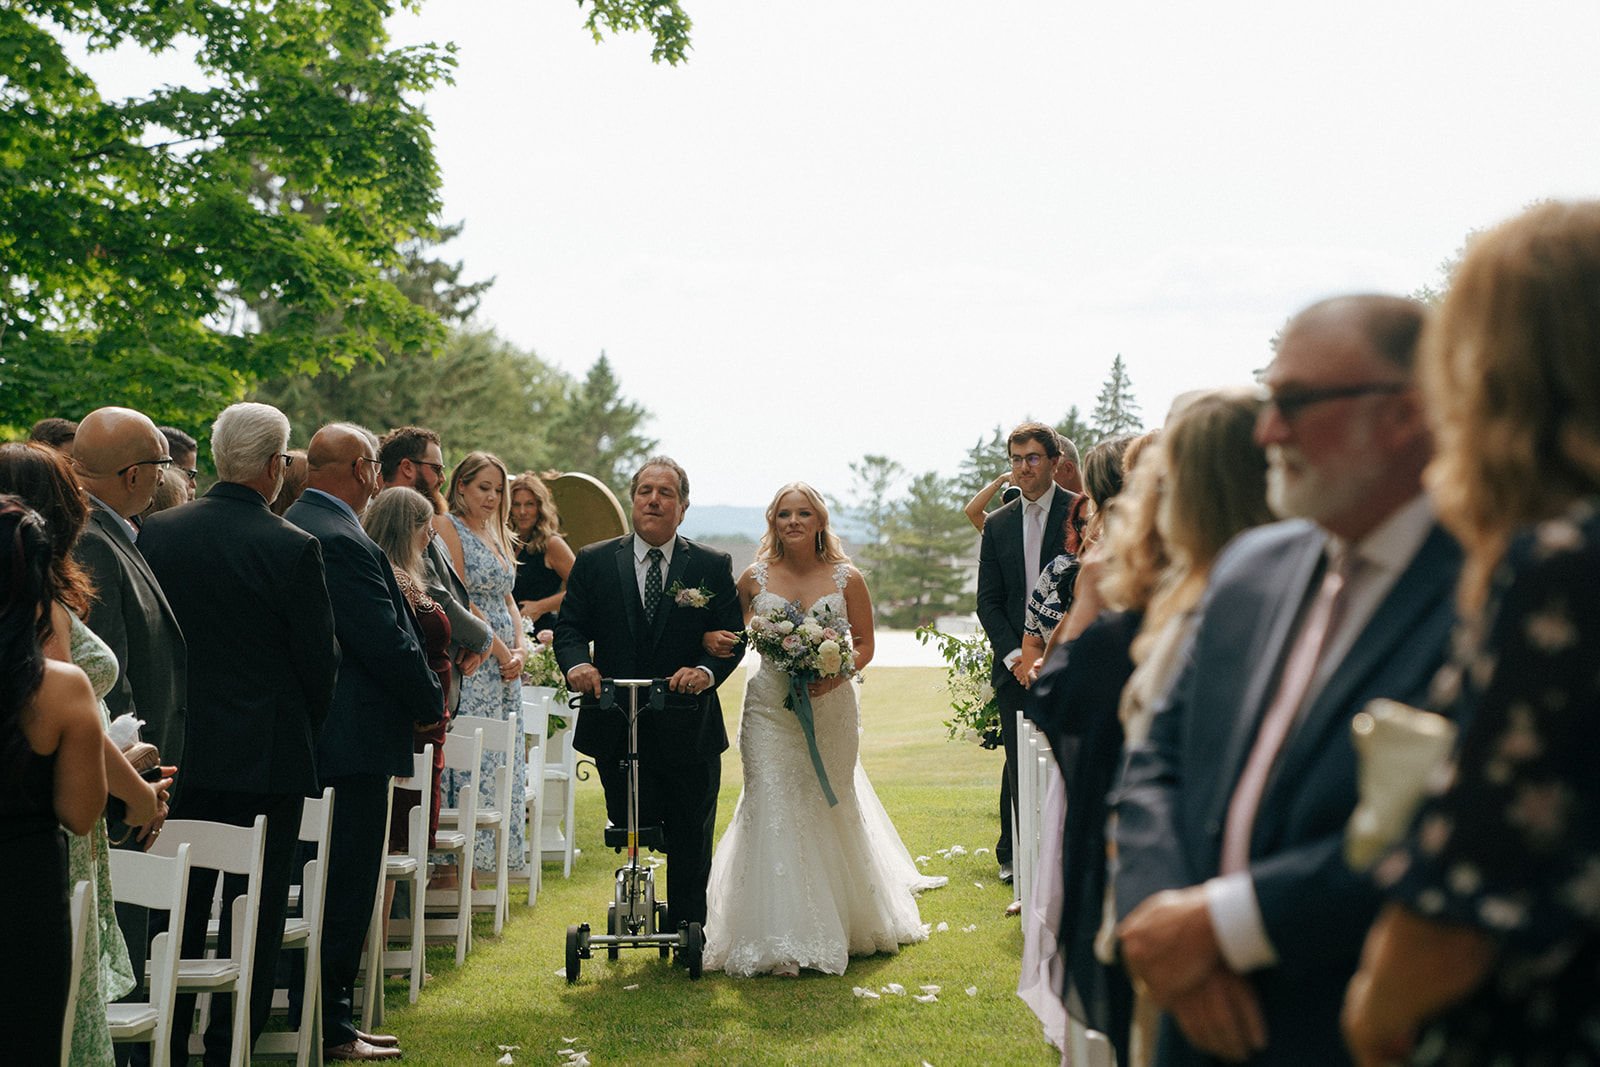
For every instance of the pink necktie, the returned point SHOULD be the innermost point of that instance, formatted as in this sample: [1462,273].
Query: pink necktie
[1298,669]
[1032,537]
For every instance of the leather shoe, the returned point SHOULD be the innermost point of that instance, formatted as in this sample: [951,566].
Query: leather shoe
[359,1050]
[381,1040]
[1005,874]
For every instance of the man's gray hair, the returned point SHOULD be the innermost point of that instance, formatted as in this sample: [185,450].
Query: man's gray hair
[244,439]
[1069,451]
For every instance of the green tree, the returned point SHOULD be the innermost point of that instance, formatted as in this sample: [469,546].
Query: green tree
[872,507]
[928,536]
[134,232]
[984,462]
[139,236]
[1074,429]
[596,430]
[1115,410]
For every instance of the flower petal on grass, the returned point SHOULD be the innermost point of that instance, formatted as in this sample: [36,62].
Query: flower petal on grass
[896,988]
[929,999]
[969,929]
[942,928]
[978,884]
[629,987]
[957,850]
[929,988]
[506,1059]
[972,990]
[562,973]
[979,851]
[862,991]
[922,859]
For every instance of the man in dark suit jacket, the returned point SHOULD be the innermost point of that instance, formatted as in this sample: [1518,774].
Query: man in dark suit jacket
[248,590]
[412,456]
[1006,575]
[385,689]
[680,751]
[1242,920]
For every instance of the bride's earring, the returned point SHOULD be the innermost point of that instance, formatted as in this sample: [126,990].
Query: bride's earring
[821,548]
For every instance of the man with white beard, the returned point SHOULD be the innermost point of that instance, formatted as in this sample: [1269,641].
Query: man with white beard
[1241,919]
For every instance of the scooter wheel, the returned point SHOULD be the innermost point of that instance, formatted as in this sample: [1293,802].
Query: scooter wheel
[661,926]
[611,928]
[694,945]
[574,961]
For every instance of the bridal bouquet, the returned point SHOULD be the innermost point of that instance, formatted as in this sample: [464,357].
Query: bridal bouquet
[972,697]
[806,646]
[814,643]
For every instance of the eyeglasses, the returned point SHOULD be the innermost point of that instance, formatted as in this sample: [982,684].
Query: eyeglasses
[1030,461]
[288,459]
[1292,403]
[437,468]
[190,473]
[355,464]
[159,464]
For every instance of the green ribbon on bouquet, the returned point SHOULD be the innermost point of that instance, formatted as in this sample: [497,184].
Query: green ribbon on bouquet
[800,703]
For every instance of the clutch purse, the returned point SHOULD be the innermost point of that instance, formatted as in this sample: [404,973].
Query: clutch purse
[145,758]
[1398,748]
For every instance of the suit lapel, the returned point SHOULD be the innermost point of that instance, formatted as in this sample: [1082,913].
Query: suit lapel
[1416,593]
[1275,630]
[1054,520]
[628,585]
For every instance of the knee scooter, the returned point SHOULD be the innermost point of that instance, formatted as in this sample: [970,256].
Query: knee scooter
[635,917]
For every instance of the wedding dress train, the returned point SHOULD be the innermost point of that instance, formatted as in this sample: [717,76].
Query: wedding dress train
[793,881]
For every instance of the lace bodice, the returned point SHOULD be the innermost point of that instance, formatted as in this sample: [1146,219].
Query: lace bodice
[766,601]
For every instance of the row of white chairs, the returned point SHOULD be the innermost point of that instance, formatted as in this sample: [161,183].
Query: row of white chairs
[1036,766]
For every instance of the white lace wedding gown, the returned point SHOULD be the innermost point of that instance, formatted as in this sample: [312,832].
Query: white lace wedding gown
[794,881]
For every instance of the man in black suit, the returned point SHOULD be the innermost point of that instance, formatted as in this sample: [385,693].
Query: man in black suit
[117,461]
[622,596]
[1018,540]
[385,689]
[412,456]
[247,588]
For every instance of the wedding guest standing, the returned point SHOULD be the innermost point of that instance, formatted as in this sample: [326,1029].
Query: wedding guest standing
[53,769]
[543,557]
[1489,951]
[477,532]
[247,588]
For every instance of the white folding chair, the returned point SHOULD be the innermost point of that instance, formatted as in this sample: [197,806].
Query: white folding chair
[411,868]
[159,883]
[499,735]
[230,850]
[1088,1048]
[79,910]
[535,723]
[304,931]
[463,752]
[560,779]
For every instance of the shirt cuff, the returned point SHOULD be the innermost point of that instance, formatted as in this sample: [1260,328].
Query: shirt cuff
[1236,918]
[1013,658]
[711,678]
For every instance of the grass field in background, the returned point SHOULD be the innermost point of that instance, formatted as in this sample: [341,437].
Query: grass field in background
[939,793]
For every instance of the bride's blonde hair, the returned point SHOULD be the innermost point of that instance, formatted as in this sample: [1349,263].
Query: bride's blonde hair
[829,548]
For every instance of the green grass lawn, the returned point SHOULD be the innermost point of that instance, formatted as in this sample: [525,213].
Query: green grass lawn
[939,793]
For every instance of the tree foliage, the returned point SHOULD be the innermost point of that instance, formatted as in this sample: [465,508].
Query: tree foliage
[597,430]
[664,20]
[929,536]
[135,232]
[873,508]
[1074,429]
[1115,410]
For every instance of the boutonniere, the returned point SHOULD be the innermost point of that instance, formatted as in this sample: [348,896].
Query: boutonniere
[697,597]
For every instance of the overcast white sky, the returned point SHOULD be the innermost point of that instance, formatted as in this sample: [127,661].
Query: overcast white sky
[885,226]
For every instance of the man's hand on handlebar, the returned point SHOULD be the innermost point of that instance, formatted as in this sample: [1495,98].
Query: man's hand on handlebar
[691,680]
[584,678]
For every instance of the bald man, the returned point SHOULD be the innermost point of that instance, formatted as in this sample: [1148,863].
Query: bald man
[385,689]
[120,458]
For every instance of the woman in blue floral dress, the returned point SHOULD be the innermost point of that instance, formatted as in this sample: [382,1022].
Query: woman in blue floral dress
[1490,950]
[481,546]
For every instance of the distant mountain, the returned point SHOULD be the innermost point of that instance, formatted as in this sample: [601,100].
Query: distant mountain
[725,522]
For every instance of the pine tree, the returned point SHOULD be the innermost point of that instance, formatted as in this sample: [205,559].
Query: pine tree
[597,430]
[1115,411]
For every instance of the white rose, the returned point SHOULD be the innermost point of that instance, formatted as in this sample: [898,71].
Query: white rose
[785,627]
[829,658]
[971,736]
[985,693]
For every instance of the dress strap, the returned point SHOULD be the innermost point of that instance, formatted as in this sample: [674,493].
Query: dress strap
[760,571]
[841,575]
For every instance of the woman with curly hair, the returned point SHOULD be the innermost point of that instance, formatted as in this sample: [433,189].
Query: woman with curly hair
[544,559]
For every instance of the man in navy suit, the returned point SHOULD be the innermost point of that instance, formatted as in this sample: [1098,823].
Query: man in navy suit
[680,749]
[385,689]
[1242,920]
[1018,540]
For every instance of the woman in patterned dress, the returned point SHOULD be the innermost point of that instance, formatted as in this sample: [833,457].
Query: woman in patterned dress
[1489,951]
[483,549]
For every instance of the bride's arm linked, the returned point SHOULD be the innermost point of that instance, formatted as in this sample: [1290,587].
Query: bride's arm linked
[721,643]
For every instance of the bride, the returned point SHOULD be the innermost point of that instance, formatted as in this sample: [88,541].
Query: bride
[794,882]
